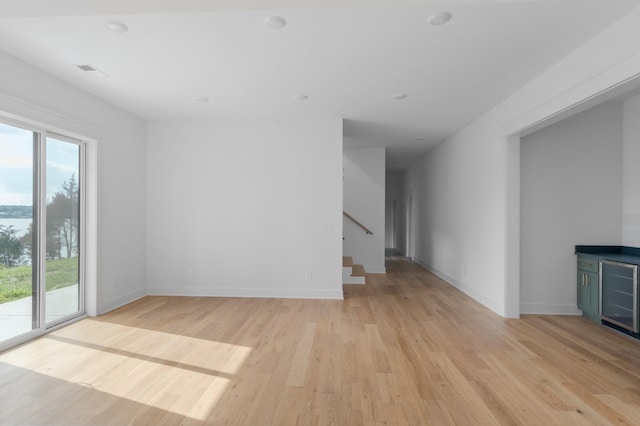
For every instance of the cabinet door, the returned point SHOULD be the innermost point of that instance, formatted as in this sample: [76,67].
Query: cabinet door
[588,287]
[588,294]
[593,293]
[580,282]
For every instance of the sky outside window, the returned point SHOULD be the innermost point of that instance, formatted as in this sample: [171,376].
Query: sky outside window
[16,165]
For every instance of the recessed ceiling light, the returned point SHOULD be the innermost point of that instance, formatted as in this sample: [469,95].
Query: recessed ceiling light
[117,27]
[301,97]
[399,96]
[419,139]
[202,99]
[90,69]
[439,18]
[275,22]
[405,152]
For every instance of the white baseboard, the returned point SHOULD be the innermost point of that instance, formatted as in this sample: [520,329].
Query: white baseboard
[370,269]
[121,301]
[281,293]
[495,306]
[549,309]
[525,308]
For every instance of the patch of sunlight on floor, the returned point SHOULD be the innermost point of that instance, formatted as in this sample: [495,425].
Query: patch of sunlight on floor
[200,353]
[180,374]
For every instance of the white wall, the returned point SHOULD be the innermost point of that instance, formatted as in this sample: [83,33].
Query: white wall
[631,173]
[245,208]
[571,193]
[466,230]
[364,199]
[455,210]
[392,202]
[31,93]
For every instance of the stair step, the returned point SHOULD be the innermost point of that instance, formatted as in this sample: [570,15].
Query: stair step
[352,274]
[358,271]
[348,278]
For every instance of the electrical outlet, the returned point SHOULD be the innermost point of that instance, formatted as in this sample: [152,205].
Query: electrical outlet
[309,275]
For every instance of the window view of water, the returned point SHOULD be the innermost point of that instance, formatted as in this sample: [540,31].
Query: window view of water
[56,280]
[21,228]
[16,196]
[21,225]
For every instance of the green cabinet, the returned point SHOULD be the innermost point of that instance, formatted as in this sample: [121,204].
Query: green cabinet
[588,287]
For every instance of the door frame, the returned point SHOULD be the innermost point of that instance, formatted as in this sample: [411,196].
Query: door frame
[58,125]
[579,99]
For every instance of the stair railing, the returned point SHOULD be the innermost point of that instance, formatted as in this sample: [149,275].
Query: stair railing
[367,230]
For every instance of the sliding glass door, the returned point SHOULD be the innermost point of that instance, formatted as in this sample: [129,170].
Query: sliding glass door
[18,278]
[41,230]
[63,230]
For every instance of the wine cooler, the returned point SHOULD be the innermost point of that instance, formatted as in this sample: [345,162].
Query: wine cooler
[619,294]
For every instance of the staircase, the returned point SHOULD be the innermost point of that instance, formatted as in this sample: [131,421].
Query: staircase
[352,274]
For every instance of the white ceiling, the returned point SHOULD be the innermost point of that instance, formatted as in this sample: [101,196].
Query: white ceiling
[348,56]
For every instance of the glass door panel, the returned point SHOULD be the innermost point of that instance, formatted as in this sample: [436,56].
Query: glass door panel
[619,294]
[41,182]
[18,284]
[63,236]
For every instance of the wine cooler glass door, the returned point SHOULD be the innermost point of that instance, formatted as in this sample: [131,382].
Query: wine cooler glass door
[619,294]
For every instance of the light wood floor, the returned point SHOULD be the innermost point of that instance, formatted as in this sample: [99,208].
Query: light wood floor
[404,349]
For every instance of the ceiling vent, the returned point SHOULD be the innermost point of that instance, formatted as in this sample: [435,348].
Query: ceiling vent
[91,70]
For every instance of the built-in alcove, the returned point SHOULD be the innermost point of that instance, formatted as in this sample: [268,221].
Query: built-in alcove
[578,185]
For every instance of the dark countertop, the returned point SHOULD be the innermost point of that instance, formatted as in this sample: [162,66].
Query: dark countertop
[616,253]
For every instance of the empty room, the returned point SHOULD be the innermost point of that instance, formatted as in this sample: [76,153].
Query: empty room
[349,212]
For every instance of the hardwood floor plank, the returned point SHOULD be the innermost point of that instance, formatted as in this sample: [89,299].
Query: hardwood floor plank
[627,410]
[301,359]
[406,348]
